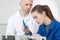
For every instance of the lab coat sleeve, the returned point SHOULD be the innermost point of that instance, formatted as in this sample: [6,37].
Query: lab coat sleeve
[39,31]
[10,30]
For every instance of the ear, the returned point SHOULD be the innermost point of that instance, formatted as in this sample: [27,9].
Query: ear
[43,13]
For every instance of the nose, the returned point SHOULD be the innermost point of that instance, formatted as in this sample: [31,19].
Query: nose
[28,6]
[37,20]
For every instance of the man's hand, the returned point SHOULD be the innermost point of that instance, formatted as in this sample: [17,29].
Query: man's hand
[26,30]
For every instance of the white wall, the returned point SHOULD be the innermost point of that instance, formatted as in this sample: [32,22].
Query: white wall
[9,7]
[58,5]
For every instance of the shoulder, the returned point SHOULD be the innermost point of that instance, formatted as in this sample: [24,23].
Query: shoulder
[57,24]
[13,17]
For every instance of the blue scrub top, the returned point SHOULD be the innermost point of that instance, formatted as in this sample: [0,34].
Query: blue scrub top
[53,32]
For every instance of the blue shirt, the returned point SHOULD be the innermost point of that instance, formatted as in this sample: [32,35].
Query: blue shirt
[53,32]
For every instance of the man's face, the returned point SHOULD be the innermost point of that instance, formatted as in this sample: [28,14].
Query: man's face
[26,5]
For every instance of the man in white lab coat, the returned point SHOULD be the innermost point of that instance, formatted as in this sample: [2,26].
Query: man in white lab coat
[15,25]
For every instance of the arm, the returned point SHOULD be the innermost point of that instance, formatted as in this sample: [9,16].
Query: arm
[57,35]
[10,28]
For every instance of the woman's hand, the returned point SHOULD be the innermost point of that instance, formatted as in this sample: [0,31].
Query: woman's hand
[37,35]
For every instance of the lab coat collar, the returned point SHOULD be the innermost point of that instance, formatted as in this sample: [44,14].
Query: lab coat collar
[52,24]
[51,27]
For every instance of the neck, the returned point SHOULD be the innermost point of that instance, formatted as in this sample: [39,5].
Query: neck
[23,13]
[47,21]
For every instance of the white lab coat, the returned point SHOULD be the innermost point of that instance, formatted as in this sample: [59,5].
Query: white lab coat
[15,25]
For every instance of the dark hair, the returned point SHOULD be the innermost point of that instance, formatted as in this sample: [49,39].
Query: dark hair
[41,8]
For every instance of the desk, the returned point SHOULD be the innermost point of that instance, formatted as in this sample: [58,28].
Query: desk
[22,38]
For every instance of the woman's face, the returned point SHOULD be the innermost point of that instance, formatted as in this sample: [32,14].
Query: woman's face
[38,17]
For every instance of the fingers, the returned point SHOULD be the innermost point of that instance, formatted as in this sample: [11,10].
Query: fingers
[26,30]
[23,28]
[37,35]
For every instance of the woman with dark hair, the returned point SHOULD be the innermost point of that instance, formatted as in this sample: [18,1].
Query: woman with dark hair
[49,27]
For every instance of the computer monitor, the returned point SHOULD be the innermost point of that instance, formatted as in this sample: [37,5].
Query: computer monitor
[8,37]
